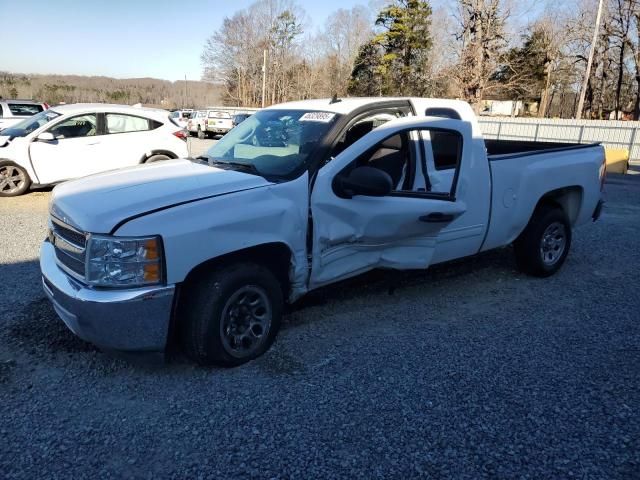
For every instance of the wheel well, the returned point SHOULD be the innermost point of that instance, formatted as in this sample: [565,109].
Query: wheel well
[150,154]
[275,256]
[6,161]
[567,198]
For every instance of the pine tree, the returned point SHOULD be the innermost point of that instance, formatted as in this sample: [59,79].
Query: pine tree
[365,77]
[396,61]
[406,42]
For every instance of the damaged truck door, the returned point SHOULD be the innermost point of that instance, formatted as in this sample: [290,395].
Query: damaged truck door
[399,228]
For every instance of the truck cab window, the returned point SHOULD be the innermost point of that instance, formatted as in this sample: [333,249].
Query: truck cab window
[442,151]
[361,126]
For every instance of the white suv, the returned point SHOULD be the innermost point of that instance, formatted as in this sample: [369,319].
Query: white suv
[181,117]
[14,111]
[72,141]
[197,122]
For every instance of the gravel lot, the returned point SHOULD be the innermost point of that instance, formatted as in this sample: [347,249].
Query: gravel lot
[198,147]
[469,370]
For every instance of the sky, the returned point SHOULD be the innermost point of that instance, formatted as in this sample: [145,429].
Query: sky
[120,38]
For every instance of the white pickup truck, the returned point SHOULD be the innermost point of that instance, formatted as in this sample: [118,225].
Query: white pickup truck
[298,196]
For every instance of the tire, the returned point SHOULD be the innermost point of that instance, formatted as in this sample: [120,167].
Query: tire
[14,180]
[157,158]
[542,247]
[219,326]
[201,134]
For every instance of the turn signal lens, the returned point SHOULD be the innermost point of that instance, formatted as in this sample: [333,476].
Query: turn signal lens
[151,249]
[152,273]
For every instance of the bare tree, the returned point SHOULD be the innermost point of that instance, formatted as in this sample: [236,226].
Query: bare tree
[344,32]
[482,24]
[635,48]
[622,15]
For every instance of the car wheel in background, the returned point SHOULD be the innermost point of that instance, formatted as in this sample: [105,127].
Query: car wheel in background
[14,180]
[157,158]
[542,247]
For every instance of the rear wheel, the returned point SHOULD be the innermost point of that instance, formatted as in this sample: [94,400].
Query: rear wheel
[231,315]
[542,247]
[157,158]
[14,180]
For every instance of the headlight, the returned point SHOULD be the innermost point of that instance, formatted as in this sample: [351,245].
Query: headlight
[124,262]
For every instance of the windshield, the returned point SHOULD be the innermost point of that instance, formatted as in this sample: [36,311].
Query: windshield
[274,142]
[31,124]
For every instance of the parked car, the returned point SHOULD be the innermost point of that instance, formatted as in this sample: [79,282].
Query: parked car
[196,123]
[218,123]
[71,141]
[181,117]
[214,252]
[14,111]
[238,118]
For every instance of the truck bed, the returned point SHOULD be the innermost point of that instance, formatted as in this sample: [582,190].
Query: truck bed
[523,172]
[504,149]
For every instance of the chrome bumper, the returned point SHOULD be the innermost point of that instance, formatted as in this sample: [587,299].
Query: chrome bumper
[127,320]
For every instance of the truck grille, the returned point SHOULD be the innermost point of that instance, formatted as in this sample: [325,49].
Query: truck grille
[69,246]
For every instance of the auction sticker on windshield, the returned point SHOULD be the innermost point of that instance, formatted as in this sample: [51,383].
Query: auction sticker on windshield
[324,117]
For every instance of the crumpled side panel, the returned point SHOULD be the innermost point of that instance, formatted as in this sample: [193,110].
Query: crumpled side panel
[196,232]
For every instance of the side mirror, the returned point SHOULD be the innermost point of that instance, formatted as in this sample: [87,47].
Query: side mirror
[368,181]
[46,137]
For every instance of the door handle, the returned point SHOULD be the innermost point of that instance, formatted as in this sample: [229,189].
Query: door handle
[437,217]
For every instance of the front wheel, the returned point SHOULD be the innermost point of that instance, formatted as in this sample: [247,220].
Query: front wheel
[542,247]
[231,315]
[14,180]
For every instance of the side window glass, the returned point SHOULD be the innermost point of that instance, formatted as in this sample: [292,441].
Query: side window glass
[394,157]
[408,158]
[80,126]
[24,109]
[442,151]
[118,123]
[364,125]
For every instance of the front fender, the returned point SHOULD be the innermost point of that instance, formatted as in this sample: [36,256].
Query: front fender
[196,232]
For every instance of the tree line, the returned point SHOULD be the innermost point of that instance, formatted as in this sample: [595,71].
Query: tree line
[475,50]
[56,89]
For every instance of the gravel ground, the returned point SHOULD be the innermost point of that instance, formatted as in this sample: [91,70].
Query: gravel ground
[198,147]
[469,370]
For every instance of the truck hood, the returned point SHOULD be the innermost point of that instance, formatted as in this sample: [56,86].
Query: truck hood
[98,203]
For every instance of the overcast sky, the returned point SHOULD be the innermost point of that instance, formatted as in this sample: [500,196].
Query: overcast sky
[124,39]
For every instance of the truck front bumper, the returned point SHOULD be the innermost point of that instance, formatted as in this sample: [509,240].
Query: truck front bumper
[131,320]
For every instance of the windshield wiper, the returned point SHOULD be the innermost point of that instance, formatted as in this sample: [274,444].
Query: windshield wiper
[248,167]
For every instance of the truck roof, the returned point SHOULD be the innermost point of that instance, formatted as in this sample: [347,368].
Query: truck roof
[345,105]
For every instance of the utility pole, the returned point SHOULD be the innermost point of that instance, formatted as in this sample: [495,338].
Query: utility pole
[184,101]
[264,75]
[587,74]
